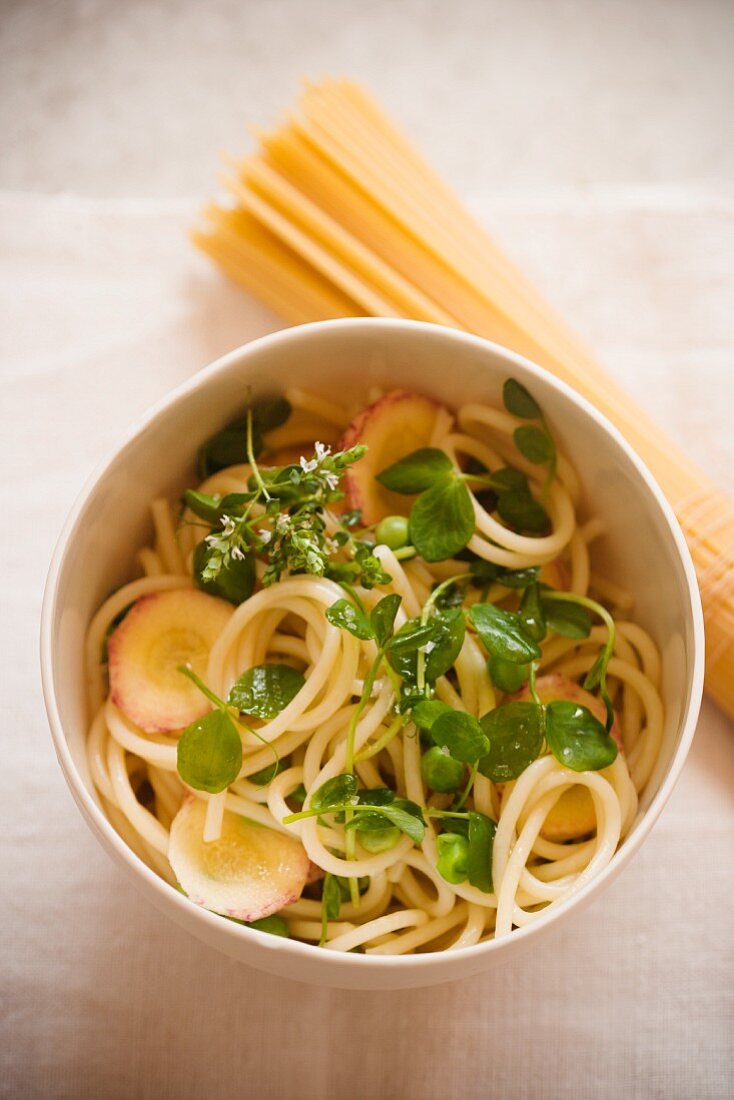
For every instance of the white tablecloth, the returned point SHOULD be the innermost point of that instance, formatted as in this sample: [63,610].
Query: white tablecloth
[107,307]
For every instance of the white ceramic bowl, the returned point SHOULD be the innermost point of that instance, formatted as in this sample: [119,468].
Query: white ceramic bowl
[644,551]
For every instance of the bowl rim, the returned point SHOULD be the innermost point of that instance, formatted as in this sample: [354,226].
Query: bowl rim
[211,922]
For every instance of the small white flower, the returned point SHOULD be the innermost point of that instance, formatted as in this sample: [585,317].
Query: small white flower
[308,465]
[228,526]
[265,536]
[238,553]
[330,546]
[321,451]
[332,480]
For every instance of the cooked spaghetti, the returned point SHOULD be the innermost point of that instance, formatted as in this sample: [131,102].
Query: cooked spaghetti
[370,692]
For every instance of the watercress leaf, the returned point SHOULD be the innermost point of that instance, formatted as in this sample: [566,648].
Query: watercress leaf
[425,713]
[335,792]
[412,635]
[535,444]
[515,732]
[204,506]
[519,402]
[449,628]
[503,634]
[523,513]
[566,618]
[265,690]
[376,796]
[479,857]
[453,854]
[507,675]
[531,613]
[235,579]
[416,472]
[382,618]
[450,596]
[209,753]
[347,616]
[442,520]
[331,897]
[462,735]
[576,738]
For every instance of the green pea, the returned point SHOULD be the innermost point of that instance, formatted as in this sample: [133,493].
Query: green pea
[453,853]
[379,840]
[506,675]
[392,531]
[440,771]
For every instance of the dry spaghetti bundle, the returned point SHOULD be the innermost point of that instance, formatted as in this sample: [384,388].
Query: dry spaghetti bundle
[337,215]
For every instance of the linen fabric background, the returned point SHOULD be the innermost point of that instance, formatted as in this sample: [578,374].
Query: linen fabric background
[629,228]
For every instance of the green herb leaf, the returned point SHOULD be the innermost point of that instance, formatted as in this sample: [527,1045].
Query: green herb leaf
[273,925]
[535,444]
[266,775]
[412,635]
[265,690]
[462,735]
[576,738]
[445,645]
[517,578]
[479,857]
[416,472]
[508,479]
[506,675]
[376,796]
[523,513]
[405,815]
[442,520]
[235,579]
[382,618]
[425,713]
[531,613]
[503,634]
[347,616]
[519,402]
[336,792]
[515,732]
[209,753]
[565,618]
[204,506]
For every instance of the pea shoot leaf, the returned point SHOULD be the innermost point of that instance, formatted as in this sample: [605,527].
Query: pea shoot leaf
[507,675]
[444,647]
[523,513]
[566,618]
[209,753]
[335,792]
[515,732]
[519,402]
[442,520]
[535,444]
[376,796]
[576,738]
[504,634]
[425,713]
[347,616]
[229,446]
[532,613]
[462,735]
[479,857]
[204,506]
[265,690]
[416,472]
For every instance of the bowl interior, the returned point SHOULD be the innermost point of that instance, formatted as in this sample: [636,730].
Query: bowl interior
[639,550]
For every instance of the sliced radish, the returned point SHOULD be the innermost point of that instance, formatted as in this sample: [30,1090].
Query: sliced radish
[573,815]
[397,424]
[248,873]
[157,635]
